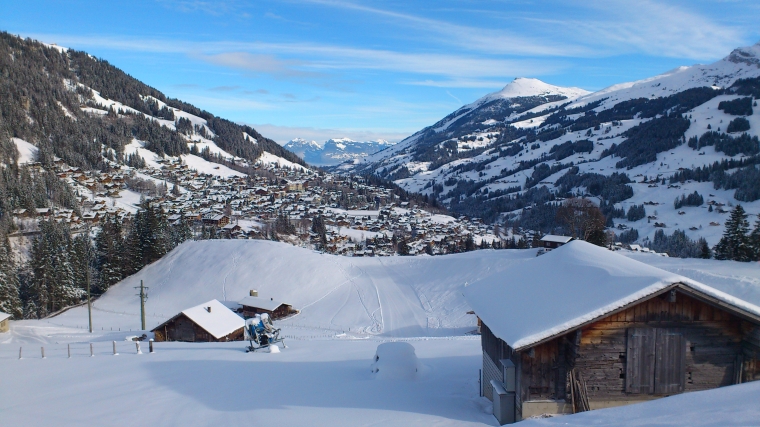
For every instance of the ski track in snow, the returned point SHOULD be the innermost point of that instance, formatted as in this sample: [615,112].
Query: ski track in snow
[224,283]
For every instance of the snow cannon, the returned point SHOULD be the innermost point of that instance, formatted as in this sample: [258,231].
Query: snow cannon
[395,361]
[261,333]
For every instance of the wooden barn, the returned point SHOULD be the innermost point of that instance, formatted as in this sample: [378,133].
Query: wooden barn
[5,320]
[253,305]
[585,328]
[551,241]
[208,322]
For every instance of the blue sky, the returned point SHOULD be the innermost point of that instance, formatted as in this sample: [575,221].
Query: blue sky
[318,69]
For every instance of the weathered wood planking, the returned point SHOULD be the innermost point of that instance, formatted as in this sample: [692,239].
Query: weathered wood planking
[699,341]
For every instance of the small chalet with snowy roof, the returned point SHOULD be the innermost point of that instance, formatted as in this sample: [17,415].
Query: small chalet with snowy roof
[586,328]
[551,241]
[253,305]
[211,321]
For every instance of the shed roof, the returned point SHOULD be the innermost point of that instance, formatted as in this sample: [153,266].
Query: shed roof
[570,286]
[556,239]
[220,321]
[4,316]
[258,302]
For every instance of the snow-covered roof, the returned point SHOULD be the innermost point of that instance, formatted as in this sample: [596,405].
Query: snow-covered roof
[258,302]
[556,239]
[4,316]
[568,287]
[219,321]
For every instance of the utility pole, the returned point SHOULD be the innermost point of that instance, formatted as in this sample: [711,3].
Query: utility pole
[143,296]
[89,303]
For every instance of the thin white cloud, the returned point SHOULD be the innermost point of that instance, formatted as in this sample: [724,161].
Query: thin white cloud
[653,28]
[473,38]
[310,60]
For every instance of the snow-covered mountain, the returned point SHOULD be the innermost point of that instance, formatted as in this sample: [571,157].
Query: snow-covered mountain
[85,111]
[334,151]
[511,154]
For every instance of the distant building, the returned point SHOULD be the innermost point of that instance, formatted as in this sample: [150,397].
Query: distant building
[5,320]
[211,321]
[253,305]
[217,220]
[551,241]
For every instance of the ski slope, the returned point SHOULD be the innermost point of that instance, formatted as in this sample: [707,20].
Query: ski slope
[392,297]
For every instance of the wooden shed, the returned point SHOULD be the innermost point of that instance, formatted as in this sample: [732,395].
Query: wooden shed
[207,322]
[253,305]
[5,320]
[586,328]
[552,241]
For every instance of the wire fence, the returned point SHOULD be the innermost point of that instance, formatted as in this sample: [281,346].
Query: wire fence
[76,350]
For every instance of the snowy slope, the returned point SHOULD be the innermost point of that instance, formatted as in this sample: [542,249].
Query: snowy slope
[727,406]
[397,296]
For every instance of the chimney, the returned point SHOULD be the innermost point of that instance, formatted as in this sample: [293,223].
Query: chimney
[271,299]
[208,309]
[253,293]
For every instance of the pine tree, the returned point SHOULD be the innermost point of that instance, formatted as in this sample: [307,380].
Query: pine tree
[734,245]
[110,251]
[10,301]
[754,240]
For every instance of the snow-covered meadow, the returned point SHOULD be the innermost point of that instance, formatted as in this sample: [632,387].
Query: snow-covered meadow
[349,306]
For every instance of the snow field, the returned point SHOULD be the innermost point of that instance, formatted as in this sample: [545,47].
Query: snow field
[310,383]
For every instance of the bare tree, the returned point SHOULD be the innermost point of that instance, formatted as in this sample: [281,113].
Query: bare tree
[583,220]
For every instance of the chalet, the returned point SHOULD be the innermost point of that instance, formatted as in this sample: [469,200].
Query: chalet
[217,220]
[211,321]
[5,319]
[253,305]
[586,328]
[551,241]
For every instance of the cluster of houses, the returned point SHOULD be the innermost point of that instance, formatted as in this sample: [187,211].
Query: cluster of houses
[360,219]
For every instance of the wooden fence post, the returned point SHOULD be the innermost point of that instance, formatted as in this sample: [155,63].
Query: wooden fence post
[114,349]
[92,354]
[68,346]
[19,353]
[150,345]
[137,345]
[42,349]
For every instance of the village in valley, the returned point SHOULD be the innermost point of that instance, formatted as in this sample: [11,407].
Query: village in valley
[359,219]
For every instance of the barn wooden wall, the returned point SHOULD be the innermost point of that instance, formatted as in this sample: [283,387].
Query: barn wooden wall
[717,342]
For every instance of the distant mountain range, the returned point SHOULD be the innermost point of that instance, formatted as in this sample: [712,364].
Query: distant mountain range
[334,151]
[513,154]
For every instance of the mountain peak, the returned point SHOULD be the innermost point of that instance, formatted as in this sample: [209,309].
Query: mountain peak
[527,87]
[749,55]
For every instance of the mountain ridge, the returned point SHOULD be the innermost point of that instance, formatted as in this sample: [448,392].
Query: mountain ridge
[497,158]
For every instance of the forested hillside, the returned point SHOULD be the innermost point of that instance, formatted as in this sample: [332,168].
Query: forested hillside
[47,98]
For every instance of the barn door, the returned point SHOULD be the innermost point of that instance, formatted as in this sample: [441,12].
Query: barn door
[184,330]
[640,360]
[670,366]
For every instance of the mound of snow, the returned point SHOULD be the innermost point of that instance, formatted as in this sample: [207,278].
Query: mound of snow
[395,361]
